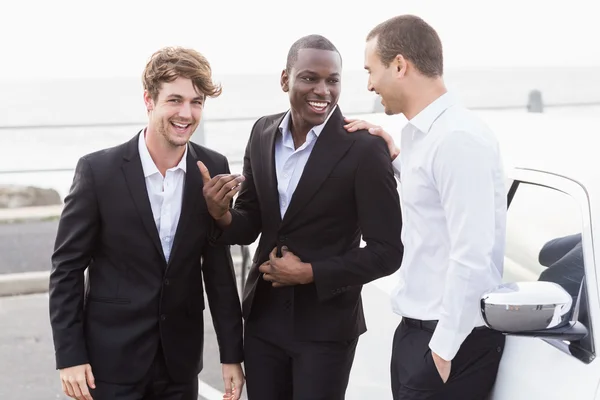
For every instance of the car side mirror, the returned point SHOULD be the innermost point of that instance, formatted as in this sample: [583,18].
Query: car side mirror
[536,309]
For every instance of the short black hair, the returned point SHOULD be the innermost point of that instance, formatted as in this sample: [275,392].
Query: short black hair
[308,42]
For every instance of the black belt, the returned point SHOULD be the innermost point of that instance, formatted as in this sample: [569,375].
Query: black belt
[423,325]
[429,325]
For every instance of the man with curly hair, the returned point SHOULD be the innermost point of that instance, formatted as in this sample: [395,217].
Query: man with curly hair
[136,221]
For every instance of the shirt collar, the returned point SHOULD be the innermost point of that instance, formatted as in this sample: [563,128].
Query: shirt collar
[286,133]
[425,119]
[148,164]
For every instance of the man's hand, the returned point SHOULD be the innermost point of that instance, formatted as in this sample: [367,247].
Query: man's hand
[75,381]
[287,270]
[355,124]
[442,366]
[218,192]
[233,377]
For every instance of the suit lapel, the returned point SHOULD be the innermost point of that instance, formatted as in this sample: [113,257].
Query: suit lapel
[191,190]
[330,147]
[268,139]
[136,182]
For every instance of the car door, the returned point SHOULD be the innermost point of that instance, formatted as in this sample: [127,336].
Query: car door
[549,237]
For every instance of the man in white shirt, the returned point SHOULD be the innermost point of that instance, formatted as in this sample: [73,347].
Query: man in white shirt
[454,215]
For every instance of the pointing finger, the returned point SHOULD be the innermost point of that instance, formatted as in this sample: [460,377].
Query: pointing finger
[204,172]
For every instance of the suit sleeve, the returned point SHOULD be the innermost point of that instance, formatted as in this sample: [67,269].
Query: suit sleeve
[380,222]
[223,300]
[75,241]
[246,222]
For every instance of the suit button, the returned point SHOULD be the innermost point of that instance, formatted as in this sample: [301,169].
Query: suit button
[167,282]
[163,317]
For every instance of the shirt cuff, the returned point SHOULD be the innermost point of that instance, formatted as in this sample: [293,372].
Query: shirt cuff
[446,342]
[396,166]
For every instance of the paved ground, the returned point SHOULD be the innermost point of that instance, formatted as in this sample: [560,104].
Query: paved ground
[27,246]
[27,356]
[26,350]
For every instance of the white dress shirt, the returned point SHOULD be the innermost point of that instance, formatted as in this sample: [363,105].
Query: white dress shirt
[165,194]
[454,219]
[289,161]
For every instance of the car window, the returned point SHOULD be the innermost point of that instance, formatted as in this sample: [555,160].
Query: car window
[542,226]
[544,243]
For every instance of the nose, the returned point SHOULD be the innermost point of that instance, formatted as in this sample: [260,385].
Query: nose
[321,89]
[370,87]
[185,111]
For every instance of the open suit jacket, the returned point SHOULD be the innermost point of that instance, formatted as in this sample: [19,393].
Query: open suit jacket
[133,298]
[347,189]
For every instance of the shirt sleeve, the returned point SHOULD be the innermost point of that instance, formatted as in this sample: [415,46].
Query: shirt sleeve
[396,167]
[463,172]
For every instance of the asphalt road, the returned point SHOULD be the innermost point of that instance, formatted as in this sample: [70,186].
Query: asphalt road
[27,246]
[26,350]
[27,356]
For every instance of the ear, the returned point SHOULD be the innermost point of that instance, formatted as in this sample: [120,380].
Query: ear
[400,65]
[148,101]
[285,81]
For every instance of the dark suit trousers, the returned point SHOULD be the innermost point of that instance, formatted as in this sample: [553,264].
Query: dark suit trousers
[156,385]
[472,374]
[279,367]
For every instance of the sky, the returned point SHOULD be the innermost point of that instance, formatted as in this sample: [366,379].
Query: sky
[115,38]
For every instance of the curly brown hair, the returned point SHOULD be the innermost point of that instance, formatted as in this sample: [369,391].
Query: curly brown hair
[169,63]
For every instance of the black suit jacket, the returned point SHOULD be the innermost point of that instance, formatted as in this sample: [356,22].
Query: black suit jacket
[347,189]
[133,298]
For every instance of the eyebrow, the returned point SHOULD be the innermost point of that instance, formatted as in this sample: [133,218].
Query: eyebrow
[178,96]
[308,71]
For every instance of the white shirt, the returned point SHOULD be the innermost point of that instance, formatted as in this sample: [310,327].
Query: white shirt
[454,219]
[165,194]
[290,162]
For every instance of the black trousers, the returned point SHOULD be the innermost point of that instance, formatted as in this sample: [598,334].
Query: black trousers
[157,385]
[278,367]
[472,374]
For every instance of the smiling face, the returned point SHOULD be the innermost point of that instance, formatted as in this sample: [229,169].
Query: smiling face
[384,80]
[314,85]
[175,113]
